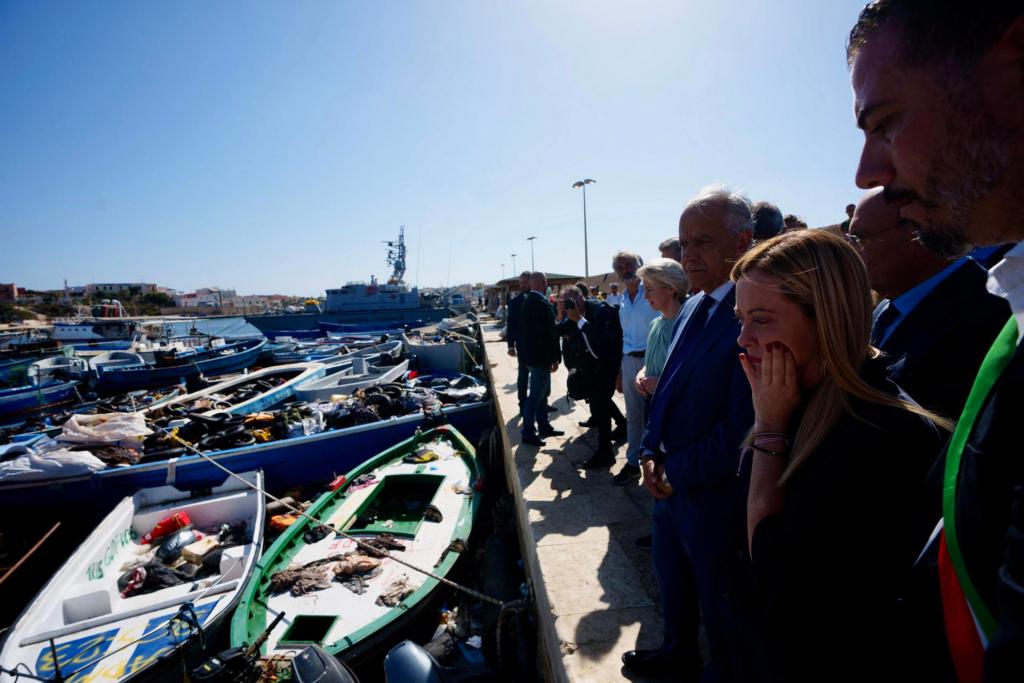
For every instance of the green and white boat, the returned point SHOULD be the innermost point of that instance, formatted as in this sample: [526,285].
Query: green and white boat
[419,494]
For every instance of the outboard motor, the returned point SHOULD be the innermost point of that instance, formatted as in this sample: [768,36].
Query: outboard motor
[314,665]
[407,662]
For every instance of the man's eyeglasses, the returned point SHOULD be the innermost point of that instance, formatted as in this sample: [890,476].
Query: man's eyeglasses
[859,240]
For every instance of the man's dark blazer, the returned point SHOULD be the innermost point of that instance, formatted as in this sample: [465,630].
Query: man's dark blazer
[536,341]
[512,319]
[935,351]
[702,408]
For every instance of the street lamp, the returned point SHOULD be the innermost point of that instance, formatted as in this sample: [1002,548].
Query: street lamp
[530,240]
[502,271]
[586,257]
[513,263]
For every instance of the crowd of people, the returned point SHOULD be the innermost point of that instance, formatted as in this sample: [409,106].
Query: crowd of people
[824,418]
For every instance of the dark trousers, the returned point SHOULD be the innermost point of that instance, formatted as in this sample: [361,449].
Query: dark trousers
[535,414]
[688,549]
[603,409]
[522,381]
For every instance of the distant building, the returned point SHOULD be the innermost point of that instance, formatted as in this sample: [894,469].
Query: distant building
[207,297]
[8,292]
[112,288]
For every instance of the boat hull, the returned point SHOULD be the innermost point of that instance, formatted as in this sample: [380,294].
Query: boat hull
[126,379]
[287,463]
[271,325]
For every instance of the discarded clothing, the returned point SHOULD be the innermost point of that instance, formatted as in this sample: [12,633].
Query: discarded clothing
[397,591]
[318,574]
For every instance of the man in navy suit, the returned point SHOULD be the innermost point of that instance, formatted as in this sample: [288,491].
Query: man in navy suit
[512,333]
[936,319]
[699,415]
[537,344]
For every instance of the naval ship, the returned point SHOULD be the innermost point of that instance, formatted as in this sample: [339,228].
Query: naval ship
[361,305]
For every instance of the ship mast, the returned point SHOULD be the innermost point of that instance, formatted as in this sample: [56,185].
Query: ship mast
[396,257]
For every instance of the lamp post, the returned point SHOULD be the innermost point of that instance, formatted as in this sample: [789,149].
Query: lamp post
[502,271]
[586,257]
[530,240]
[513,264]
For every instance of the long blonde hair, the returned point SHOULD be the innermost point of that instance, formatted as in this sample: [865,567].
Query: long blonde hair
[827,279]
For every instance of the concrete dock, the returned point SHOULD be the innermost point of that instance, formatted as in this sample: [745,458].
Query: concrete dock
[596,592]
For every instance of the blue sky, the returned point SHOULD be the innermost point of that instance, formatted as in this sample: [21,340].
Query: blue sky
[271,146]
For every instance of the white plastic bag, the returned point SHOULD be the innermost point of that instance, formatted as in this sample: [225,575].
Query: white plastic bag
[124,429]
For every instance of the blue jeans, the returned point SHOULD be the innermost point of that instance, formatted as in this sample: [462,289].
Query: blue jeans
[522,382]
[535,414]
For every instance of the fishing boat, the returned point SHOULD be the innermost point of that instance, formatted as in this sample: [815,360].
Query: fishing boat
[116,610]
[109,360]
[32,398]
[249,393]
[441,352]
[294,461]
[223,359]
[362,375]
[420,493]
[298,353]
[57,368]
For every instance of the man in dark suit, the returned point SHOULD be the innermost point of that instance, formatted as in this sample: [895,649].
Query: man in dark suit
[512,333]
[537,346]
[937,92]
[936,319]
[700,412]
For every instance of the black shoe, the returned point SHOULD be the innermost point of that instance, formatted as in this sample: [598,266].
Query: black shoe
[588,423]
[619,433]
[629,474]
[643,543]
[660,664]
[550,432]
[552,409]
[531,440]
[601,458]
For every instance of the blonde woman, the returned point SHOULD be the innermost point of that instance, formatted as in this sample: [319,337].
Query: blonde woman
[837,462]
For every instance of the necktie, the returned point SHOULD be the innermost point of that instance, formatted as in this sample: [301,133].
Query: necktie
[882,326]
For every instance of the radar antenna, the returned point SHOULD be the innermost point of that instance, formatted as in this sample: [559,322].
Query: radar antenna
[396,257]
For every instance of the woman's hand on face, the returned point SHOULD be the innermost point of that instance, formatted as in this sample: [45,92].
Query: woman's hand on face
[773,387]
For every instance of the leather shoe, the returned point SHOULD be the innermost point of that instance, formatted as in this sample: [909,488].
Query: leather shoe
[552,409]
[660,664]
[550,432]
[601,458]
[531,440]
[643,543]
[588,423]
[629,474]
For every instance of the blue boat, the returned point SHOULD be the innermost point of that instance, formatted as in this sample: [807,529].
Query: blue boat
[35,397]
[371,328]
[217,361]
[286,463]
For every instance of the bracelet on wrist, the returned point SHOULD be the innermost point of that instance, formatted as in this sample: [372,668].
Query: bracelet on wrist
[769,451]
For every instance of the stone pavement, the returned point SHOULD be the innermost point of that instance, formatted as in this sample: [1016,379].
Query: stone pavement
[598,587]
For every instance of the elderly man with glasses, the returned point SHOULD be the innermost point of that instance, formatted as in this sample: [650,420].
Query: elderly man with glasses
[936,319]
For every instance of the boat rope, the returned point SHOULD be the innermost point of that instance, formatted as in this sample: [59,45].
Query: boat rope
[362,544]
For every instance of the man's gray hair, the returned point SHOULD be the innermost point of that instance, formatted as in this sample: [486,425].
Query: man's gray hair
[738,209]
[635,258]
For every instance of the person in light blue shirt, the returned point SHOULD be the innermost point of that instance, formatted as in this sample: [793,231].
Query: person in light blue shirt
[635,316]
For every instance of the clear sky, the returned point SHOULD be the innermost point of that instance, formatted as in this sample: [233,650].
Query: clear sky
[270,146]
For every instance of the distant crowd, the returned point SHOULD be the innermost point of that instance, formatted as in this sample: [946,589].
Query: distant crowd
[825,417]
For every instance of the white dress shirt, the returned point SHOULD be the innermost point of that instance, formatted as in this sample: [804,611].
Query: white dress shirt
[1006,280]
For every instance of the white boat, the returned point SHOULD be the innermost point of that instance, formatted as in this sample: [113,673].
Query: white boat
[81,623]
[251,392]
[362,375]
[57,368]
[441,352]
[115,359]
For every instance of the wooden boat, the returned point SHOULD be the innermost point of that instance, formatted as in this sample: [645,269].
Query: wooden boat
[362,375]
[220,360]
[57,368]
[429,507]
[248,393]
[286,463]
[99,635]
[109,360]
[32,398]
[446,352]
[338,353]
